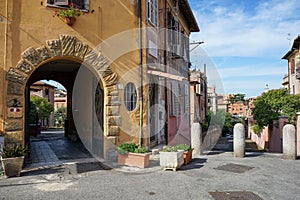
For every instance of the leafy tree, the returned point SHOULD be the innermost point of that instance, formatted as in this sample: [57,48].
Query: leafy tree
[225,119]
[274,103]
[43,107]
[237,98]
[60,116]
[33,115]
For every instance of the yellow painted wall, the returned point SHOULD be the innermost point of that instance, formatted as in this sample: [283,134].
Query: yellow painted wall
[31,23]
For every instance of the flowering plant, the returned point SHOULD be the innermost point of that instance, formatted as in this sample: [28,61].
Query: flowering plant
[72,11]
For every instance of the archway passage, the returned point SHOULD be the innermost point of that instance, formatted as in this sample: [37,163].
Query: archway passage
[52,57]
[64,144]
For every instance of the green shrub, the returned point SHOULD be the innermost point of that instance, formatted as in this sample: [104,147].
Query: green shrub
[169,149]
[184,147]
[257,129]
[141,150]
[15,151]
[126,148]
[131,148]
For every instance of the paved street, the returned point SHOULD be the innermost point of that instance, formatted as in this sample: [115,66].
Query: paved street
[266,175]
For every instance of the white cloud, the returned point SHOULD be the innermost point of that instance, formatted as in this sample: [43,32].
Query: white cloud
[233,30]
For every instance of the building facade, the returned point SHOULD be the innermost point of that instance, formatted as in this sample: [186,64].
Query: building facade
[124,64]
[291,79]
[198,95]
[46,91]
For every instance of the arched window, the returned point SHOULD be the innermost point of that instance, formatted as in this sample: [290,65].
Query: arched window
[130,96]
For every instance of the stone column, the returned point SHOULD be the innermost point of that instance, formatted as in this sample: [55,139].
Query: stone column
[239,140]
[298,134]
[289,142]
[196,138]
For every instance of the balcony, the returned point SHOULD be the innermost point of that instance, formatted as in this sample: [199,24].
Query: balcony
[285,80]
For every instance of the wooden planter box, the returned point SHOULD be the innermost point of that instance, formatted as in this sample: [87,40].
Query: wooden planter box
[188,156]
[171,160]
[12,166]
[134,159]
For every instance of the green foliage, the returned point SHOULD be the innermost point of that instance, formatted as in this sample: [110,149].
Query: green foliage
[169,149]
[177,147]
[257,129]
[71,12]
[184,147]
[223,119]
[141,150]
[237,97]
[43,107]
[60,116]
[33,114]
[131,148]
[15,151]
[274,103]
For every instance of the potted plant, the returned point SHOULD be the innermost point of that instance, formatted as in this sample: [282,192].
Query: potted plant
[69,15]
[188,152]
[171,158]
[132,155]
[12,159]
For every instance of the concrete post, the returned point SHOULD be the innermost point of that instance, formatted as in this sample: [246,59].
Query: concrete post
[239,140]
[196,138]
[289,142]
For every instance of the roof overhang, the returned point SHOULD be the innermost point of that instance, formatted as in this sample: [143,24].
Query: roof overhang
[188,15]
[295,46]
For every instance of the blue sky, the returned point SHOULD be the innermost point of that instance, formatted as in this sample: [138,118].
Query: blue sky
[245,41]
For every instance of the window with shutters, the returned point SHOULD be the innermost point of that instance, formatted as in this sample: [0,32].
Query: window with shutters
[292,65]
[81,4]
[152,12]
[173,29]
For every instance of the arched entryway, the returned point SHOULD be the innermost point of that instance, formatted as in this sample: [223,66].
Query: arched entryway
[36,63]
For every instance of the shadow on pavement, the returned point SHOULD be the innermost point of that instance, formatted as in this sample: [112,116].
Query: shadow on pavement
[196,163]
[50,170]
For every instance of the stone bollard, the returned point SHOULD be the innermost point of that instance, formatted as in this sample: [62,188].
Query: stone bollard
[196,138]
[239,140]
[289,150]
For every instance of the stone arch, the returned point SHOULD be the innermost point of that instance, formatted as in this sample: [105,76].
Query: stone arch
[65,47]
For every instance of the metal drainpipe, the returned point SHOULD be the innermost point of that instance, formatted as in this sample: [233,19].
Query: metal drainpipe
[5,57]
[141,71]
[165,64]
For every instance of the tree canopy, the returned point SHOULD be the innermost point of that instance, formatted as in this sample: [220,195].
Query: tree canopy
[43,107]
[60,116]
[224,120]
[274,103]
[237,98]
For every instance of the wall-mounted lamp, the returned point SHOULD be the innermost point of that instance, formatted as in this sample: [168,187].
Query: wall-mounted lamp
[120,86]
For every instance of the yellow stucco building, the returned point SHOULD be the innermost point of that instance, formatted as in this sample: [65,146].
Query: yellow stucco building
[125,65]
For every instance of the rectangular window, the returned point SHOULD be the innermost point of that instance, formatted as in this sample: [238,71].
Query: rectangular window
[152,12]
[81,4]
[292,66]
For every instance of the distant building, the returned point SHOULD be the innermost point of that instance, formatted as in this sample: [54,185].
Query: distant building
[60,99]
[198,96]
[212,99]
[291,80]
[222,102]
[46,91]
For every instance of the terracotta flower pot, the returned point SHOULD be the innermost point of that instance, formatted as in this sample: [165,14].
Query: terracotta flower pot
[134,159]
[70,20]
[188,156]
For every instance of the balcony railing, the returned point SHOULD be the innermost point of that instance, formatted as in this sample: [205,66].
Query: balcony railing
[285,80]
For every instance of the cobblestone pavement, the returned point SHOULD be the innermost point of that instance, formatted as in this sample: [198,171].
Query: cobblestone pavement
[51,149]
